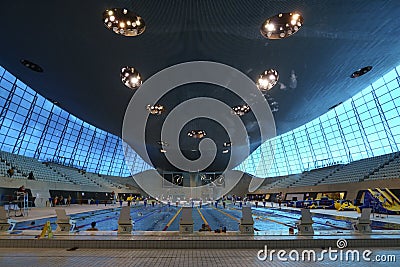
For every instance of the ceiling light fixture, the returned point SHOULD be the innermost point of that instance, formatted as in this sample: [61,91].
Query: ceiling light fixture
[240,110]
[131,77]
[204,177]
[225,151]
[282,25]
[198,134]
[123,22]
[361,72]
[32,66]
[163,143]
[156,109]
[227,144]
[267,80]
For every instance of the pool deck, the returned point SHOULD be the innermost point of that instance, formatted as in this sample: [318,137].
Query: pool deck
[47,212]
[395,219]
[51,257]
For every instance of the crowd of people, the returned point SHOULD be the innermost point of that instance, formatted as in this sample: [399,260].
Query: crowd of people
[60,201]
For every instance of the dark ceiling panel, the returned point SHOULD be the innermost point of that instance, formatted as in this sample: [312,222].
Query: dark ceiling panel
[82,59]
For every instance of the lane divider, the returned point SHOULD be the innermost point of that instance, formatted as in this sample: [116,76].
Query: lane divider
[172,220]
[268,219]
[226,214]
[325,224]
[202,217]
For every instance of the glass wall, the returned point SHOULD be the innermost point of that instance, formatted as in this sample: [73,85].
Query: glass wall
[366,125]
[35,127]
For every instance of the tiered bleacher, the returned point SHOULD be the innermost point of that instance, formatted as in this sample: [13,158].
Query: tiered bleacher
[357,170]
[102,180]
[380,167]
[51,172]
[389,170]
[285,181]
[72,174]
[311,178]
[24,165]
[123,182]
[5,166]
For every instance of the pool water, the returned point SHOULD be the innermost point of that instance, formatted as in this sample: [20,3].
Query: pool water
[158,218]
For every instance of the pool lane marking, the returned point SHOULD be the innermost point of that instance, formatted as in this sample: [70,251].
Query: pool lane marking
[172,220]
[285,224]
[325,224]
[262,211]
[202,217]
[55,218]
[230,216]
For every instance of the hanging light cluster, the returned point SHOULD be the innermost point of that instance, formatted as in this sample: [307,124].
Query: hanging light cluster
[227,144]
[267,79]
[282,25]
[124,22]
[204,177]
[131,77]
[198,134]
[32,66]
[162,143]
[240,110]
[156,109]
[273,104]
[361,72]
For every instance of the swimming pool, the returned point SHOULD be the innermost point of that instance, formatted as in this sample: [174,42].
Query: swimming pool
[160,218]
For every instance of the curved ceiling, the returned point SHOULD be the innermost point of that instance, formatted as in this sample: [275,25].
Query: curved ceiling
[82,59]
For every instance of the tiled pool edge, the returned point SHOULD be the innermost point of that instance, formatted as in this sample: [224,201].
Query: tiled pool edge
[201,243]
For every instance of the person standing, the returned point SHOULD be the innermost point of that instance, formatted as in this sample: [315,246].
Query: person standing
[129,199]
[10,172]
[93,227]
